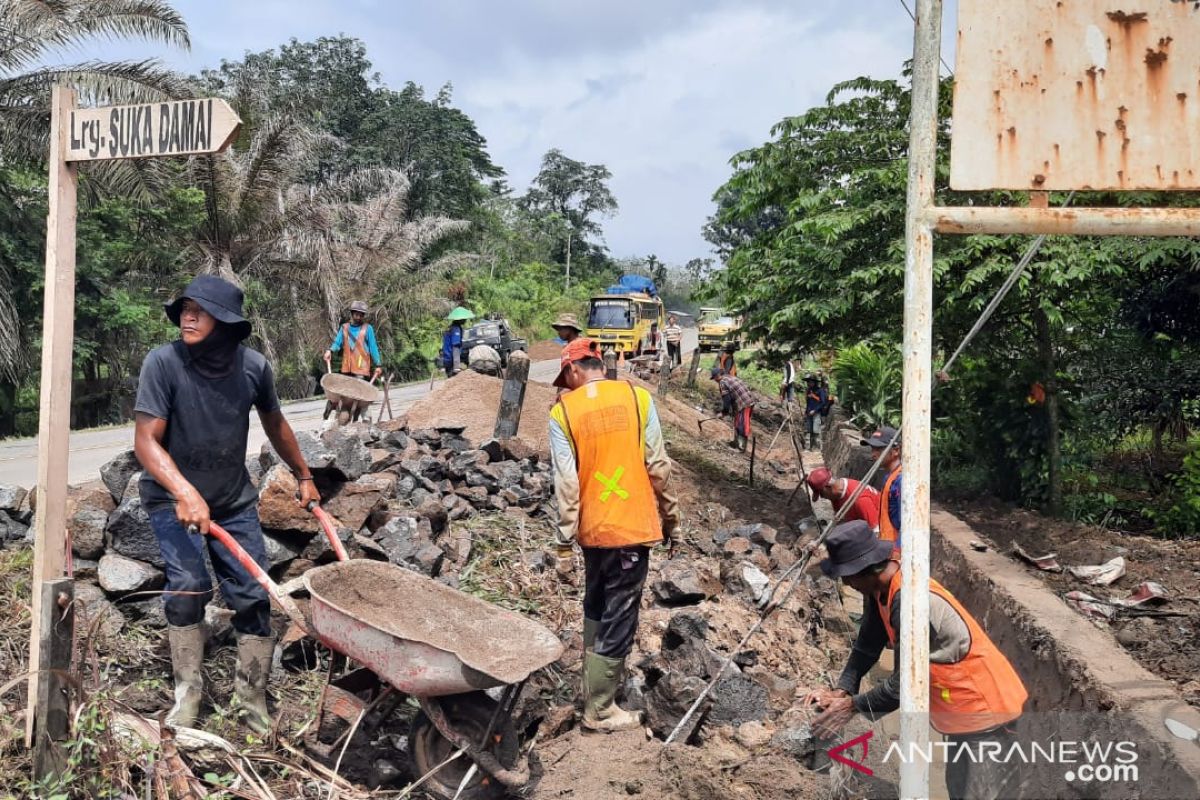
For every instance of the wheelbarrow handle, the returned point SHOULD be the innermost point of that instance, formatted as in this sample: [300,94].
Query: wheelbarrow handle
[285,603]
[326,521]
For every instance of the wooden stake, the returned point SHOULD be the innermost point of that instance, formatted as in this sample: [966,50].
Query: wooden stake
[664,376]
[387,401]
[753,450]
[54,412]
[512,396]
[610,364]
[694,368]
[54,654]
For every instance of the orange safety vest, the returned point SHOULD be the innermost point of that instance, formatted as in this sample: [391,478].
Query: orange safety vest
[355,358]
[887,531]
[605,425]
[978,693]
[727,358]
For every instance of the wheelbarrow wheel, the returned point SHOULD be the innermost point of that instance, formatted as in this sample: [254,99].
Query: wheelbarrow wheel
[343,417]
[470,715]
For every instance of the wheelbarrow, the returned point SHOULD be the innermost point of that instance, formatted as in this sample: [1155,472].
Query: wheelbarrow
[347,395]
[420,638]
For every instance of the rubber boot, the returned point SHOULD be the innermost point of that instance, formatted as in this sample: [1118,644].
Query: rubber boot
[187,655]
[250,680]
[812,441]
[602,676]
[590,626]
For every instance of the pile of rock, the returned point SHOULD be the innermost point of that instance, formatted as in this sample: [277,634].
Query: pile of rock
[393,492]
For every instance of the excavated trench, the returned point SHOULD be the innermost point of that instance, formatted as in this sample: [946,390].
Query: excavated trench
[1083,687]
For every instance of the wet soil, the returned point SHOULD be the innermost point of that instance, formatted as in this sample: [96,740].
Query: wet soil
[1167,646]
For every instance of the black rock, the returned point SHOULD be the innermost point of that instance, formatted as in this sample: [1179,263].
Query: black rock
[409,543]
[117,473]
[128,529]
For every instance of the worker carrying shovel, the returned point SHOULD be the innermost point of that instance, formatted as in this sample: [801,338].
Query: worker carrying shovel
[975,695]
[192,424]
[355,340]
[611,474]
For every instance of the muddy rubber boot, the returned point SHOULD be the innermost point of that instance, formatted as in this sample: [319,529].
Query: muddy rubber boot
[590,626]
[250,680]
[187,654]
[600,712]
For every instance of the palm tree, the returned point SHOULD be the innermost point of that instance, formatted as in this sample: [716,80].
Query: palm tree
[31,32]
[310,247]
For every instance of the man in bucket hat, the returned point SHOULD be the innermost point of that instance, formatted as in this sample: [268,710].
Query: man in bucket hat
[192,424]
[611,474]
[975,695]
[567,328]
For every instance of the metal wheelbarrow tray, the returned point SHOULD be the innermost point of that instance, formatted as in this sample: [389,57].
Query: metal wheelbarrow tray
[423,637]
[348,395]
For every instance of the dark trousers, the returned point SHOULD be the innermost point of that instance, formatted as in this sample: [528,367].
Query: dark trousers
[987,779]
[674,352]
[188,578]
[613,580]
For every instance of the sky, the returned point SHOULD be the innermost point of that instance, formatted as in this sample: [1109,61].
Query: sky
[662,92]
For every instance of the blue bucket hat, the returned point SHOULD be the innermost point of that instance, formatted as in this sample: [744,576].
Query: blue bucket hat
[216,296]
[852,548]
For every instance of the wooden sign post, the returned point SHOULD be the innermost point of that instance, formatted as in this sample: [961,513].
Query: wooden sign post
[175,128]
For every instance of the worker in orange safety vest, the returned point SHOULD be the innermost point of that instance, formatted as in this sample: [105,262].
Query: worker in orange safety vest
[889,496]
[611,474]
[975,695]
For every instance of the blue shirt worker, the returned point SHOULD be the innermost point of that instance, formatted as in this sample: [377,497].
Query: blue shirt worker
[815,399]
[355,340]
[190,435]
[452,340]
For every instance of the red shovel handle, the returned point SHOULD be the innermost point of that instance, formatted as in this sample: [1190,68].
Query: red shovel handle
[285,603]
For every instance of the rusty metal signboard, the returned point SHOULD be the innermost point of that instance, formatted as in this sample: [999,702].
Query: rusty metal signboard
[1077,94]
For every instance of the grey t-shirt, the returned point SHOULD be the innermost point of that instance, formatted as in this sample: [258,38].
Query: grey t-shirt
[208,423]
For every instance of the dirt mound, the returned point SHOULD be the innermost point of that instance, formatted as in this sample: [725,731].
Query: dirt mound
[472,399]
[545,350]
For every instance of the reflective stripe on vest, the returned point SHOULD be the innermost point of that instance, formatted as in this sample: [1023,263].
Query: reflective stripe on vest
[978,693]
[355,358]
[887,531]
[605,426]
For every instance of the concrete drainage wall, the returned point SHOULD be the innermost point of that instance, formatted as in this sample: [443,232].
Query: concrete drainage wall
[1083,686]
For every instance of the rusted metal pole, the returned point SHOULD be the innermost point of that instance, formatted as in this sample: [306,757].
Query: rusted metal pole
[918,352]
[1065,221]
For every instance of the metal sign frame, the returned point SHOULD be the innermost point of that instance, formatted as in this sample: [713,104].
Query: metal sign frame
[923,219]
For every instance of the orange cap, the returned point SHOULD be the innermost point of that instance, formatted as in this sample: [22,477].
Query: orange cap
[576,350]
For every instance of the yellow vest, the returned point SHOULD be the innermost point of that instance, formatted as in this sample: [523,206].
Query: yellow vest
[605,422]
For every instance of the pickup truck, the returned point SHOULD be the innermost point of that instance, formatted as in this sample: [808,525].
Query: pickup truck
[497,334]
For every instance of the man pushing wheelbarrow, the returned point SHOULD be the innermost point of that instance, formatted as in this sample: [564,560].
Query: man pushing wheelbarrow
[192,423]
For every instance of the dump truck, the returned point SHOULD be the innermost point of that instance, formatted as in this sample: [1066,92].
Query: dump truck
[716,329]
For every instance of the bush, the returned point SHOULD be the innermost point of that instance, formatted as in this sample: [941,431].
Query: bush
[1181,516]
[868,380]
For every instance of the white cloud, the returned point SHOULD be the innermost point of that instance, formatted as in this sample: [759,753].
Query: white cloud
[666,116]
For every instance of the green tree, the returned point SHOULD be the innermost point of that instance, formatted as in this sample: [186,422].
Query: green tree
[576,192]
[830,271]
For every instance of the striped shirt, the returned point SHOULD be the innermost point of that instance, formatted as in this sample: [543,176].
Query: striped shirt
[674,334]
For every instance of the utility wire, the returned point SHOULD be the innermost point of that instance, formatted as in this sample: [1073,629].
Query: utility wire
[791,576]
[913,16]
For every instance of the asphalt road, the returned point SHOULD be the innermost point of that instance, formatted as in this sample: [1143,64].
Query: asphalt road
[91,449]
